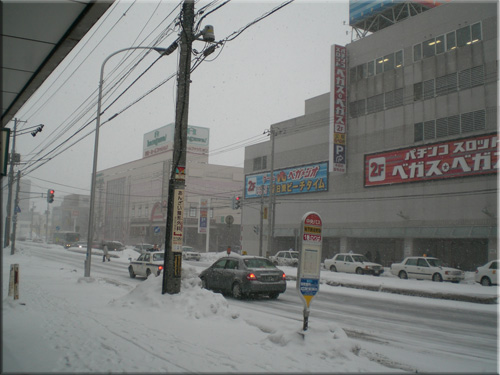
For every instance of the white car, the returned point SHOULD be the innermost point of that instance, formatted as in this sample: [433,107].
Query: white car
[147,264]
[285,258]
[188,253]
[487,274]
[426,268]
[353,263]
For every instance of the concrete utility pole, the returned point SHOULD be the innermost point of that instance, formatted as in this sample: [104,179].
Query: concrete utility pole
[14,221]
[177,182]
[11,182]
[270,214]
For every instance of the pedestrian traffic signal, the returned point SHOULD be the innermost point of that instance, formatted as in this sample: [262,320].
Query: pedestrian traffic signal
[50,195]
[237,203]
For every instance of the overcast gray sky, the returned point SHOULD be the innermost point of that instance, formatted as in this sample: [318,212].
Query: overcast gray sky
[260,78]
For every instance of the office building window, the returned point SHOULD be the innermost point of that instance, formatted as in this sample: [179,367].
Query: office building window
[476,32]
[192,211]
[388,62]
[418,91]
[399,59]
[429,48]
[371,68]
[440,44]
[463,36]
[418,129]
[260,163]
[451,41]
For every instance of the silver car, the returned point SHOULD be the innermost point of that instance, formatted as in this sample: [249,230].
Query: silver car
[242,276]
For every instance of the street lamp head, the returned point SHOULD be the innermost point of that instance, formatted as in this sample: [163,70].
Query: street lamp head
[166,51]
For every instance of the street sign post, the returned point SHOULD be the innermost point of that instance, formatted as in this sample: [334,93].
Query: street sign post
[308,271]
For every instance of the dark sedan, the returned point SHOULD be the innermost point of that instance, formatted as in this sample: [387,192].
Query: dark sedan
[242,276]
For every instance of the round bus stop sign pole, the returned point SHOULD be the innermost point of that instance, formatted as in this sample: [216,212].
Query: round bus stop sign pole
[308,271]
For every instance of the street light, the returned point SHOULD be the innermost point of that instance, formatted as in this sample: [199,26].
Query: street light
[162,52]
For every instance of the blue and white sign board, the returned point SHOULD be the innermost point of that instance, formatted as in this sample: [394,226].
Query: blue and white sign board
[308,271]
[157,230]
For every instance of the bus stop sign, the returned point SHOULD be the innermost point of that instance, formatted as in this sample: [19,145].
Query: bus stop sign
[308,272]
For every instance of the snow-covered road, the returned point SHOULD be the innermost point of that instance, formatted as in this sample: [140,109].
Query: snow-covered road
[64,322]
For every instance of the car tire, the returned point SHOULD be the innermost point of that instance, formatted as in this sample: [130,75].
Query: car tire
[273,295]
[131,272]
[237,291]
[437,277]
[148,273]
[204,283]
[403,275]
[333,268]
[359,271]
[485,281]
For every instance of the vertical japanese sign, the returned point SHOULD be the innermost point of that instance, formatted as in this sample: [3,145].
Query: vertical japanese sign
[308,272]
[202,222]
[338,111]
[178,226]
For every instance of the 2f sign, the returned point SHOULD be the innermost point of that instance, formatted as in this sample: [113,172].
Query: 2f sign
[376,170]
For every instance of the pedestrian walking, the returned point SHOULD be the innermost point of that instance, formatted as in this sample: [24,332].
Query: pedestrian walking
[105,254]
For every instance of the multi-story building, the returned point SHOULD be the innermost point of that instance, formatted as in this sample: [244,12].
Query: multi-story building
[401,156]
[132,198]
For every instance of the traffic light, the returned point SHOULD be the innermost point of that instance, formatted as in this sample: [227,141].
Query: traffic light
[237,203]
[50,195]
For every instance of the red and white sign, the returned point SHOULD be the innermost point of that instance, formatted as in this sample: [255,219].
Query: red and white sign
[312,228]
[472,156]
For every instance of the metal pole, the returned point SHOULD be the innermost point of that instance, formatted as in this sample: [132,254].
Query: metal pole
[47,224]
[207,244]
[96,146]
[176,187]
[270,214]
[261,224]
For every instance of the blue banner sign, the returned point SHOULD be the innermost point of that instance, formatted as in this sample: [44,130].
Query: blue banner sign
[296,180]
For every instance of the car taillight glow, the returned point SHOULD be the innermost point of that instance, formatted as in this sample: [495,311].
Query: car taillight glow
[251,276]
[284,276]
[160,267]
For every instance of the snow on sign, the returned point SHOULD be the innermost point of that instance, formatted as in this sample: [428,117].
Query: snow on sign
[308,271]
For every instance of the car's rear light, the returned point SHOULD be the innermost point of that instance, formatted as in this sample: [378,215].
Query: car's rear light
[251,276]
[160,268]
[284,276]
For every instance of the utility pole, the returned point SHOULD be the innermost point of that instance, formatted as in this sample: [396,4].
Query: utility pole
[14,221]
[177,182]
[11,182]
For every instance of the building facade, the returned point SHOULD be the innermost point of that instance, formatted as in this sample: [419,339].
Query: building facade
[408,135]
[131,199]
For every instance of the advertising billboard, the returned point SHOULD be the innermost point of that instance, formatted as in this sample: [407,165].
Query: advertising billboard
[464,157]
[338,111]
[295,180]
[162,140]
